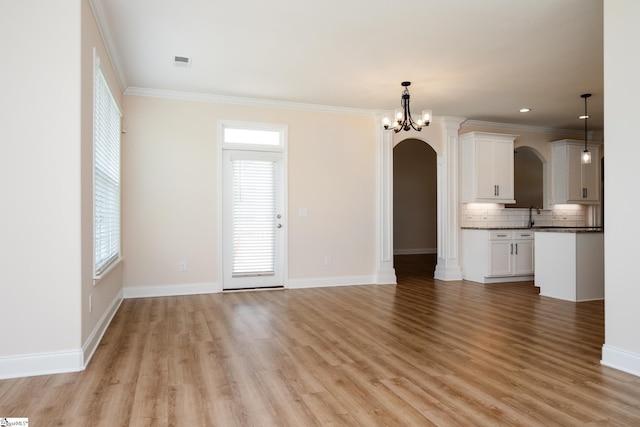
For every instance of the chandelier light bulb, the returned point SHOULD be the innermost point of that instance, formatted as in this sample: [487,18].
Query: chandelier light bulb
[426,116]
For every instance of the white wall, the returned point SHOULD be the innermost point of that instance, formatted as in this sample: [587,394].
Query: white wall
[40,257]
[622,90]
[170,200]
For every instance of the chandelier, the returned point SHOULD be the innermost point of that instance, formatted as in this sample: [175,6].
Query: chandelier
[403,119]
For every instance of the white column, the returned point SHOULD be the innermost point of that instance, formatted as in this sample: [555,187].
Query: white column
[448,266]
[385,273]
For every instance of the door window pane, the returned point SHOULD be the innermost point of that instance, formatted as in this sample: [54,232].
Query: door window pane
[254,212]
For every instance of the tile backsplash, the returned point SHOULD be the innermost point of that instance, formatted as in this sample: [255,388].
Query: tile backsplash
[495,215]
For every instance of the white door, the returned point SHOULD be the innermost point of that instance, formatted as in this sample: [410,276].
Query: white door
[253,219]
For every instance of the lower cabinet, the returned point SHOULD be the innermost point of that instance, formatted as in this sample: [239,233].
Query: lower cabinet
[494,256]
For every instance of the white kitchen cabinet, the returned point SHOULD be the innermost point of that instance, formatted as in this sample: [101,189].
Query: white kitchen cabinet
[486,167]
[572,181]
[523,260]
[500,253]
[494,256]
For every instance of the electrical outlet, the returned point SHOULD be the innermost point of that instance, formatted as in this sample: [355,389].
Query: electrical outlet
[182,266]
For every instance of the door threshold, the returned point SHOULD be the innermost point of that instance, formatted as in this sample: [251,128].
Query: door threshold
[257,288]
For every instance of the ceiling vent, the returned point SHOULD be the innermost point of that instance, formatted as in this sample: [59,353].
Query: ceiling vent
[182,61]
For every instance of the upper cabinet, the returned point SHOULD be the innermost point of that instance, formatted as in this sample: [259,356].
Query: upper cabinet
[486,167]
[572,181]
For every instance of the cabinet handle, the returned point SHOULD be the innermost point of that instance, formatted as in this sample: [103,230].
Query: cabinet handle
[516,249]
[501,235]
[511,252]
[584,193]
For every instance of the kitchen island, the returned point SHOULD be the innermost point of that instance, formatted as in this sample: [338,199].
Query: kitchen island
[569,263]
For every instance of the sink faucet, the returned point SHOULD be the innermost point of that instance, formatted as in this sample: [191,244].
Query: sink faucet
[531,208]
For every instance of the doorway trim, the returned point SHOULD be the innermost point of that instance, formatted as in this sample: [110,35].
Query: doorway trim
[281,148]
[442,136]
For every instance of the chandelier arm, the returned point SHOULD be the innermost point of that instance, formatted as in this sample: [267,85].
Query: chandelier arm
[413,125]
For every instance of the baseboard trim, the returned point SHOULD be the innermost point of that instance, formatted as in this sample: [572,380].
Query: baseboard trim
[621,360]
[447,273]
[417,251]
[498,280]
[171,290]
[29,365]
[324,282]
[91,344]
[386,277]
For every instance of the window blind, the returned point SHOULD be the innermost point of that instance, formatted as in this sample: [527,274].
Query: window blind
[106,169]
[254,214]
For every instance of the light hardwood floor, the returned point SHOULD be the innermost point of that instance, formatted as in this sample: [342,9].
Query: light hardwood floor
[420,353]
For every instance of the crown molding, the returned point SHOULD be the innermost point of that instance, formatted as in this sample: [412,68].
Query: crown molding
[110,46]
[235,100]
[524,128]
[258,102]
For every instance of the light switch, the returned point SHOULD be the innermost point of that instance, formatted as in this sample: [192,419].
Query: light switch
[303,212]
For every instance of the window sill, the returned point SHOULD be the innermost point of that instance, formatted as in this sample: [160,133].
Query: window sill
[105,272]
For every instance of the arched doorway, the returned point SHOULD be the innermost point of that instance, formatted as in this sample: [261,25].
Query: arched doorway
[415,227]
[442,135]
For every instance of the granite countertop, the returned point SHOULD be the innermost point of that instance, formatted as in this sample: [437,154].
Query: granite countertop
[569,230]
[544,229]
[495,228]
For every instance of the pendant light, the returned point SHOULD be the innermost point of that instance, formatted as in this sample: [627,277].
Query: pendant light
[403,119]
[586,154]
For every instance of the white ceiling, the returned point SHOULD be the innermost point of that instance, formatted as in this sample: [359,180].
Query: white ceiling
[482,60]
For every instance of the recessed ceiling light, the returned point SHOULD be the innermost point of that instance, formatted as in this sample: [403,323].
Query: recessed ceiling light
[525,110]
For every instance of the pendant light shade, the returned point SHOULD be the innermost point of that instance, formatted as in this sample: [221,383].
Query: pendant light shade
[586,154]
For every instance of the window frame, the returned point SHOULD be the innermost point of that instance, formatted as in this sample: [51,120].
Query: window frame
[249,126]
[113,120]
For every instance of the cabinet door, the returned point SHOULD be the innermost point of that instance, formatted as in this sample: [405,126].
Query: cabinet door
[503,169]
[500,258]
[574,177]
[523,257]
[590,177]
[485,182]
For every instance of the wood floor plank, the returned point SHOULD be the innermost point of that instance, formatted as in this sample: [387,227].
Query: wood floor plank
[420,353]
